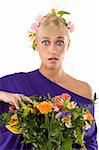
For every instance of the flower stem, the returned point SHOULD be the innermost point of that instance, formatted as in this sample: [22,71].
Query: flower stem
[49,138]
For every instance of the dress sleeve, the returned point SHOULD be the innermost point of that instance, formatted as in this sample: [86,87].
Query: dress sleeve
[91,135]
[1,101]
[3,106]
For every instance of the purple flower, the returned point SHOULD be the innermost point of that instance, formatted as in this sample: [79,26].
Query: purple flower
[58,115]
[15,111]
[66,113]
[62,114]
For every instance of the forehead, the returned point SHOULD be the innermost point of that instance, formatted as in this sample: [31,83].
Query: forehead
[53,33]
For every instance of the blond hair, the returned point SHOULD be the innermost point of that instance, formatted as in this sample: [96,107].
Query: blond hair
[52,21]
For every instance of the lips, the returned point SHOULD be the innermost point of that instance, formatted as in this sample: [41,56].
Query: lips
[53,58]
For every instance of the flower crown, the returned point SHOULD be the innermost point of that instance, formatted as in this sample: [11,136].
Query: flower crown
[35,26]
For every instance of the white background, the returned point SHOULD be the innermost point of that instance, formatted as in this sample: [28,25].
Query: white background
[17,55]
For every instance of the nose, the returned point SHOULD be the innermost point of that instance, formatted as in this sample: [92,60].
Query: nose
[52,49]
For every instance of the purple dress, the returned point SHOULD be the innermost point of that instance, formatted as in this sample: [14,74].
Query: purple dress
[34,83]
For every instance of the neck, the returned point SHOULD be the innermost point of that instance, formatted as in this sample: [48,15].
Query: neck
[54,74]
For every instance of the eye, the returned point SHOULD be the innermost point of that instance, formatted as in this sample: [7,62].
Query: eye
[45,42]
[60,42]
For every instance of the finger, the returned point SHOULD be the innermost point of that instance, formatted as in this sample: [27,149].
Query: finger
[16,104]
[27,99]
[14,101]
[20,101]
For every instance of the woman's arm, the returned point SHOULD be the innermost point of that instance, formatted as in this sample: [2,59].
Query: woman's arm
[91,136]
[13,99]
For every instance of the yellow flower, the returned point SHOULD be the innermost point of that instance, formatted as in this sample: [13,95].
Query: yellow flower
[14,129]
[54,12]
[44,107]
[71,105]
[12,125]
[67,121]
[31,35]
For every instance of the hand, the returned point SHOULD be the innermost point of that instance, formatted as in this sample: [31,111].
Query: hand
[14,99]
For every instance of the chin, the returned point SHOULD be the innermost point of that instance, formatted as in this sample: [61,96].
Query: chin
[52,66]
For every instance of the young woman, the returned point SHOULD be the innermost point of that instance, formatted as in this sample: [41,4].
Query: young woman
[52,42]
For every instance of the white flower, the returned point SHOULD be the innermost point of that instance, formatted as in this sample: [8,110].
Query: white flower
[71,105]
[87,126]
[67,121]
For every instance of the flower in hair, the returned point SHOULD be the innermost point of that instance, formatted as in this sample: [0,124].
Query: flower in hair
[38,19]
[35,26]
[70,26]
[54,12]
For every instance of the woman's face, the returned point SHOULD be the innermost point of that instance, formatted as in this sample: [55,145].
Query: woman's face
[52,45]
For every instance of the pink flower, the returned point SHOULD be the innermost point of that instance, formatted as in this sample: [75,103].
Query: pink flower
[38,19]
[70,26]
[12,107]
[64,96]
[34,26]
[57,104]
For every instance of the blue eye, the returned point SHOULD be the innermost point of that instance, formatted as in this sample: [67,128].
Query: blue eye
[45,42]
[60,42]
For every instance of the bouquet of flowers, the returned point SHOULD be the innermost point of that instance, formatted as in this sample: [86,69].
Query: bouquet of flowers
[49,123]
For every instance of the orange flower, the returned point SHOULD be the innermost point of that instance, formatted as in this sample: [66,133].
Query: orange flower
[88,116]
[44,107]
[13,120]
[14,117]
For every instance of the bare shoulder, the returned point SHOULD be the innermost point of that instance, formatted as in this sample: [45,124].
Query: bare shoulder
[80,87]
[85,89]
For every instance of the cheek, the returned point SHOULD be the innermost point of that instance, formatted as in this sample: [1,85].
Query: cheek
[61,50]
[42,53]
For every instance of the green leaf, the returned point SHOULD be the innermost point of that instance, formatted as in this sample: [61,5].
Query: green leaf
[26,111]
[49,96]
[46,126]
[5,118]
[33,46]
[95,97]
[80,136]
[67,144]
[66,102]
[75,115]
[61,13]
[55,132]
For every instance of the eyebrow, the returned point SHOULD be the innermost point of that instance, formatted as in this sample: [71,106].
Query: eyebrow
[60,37]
